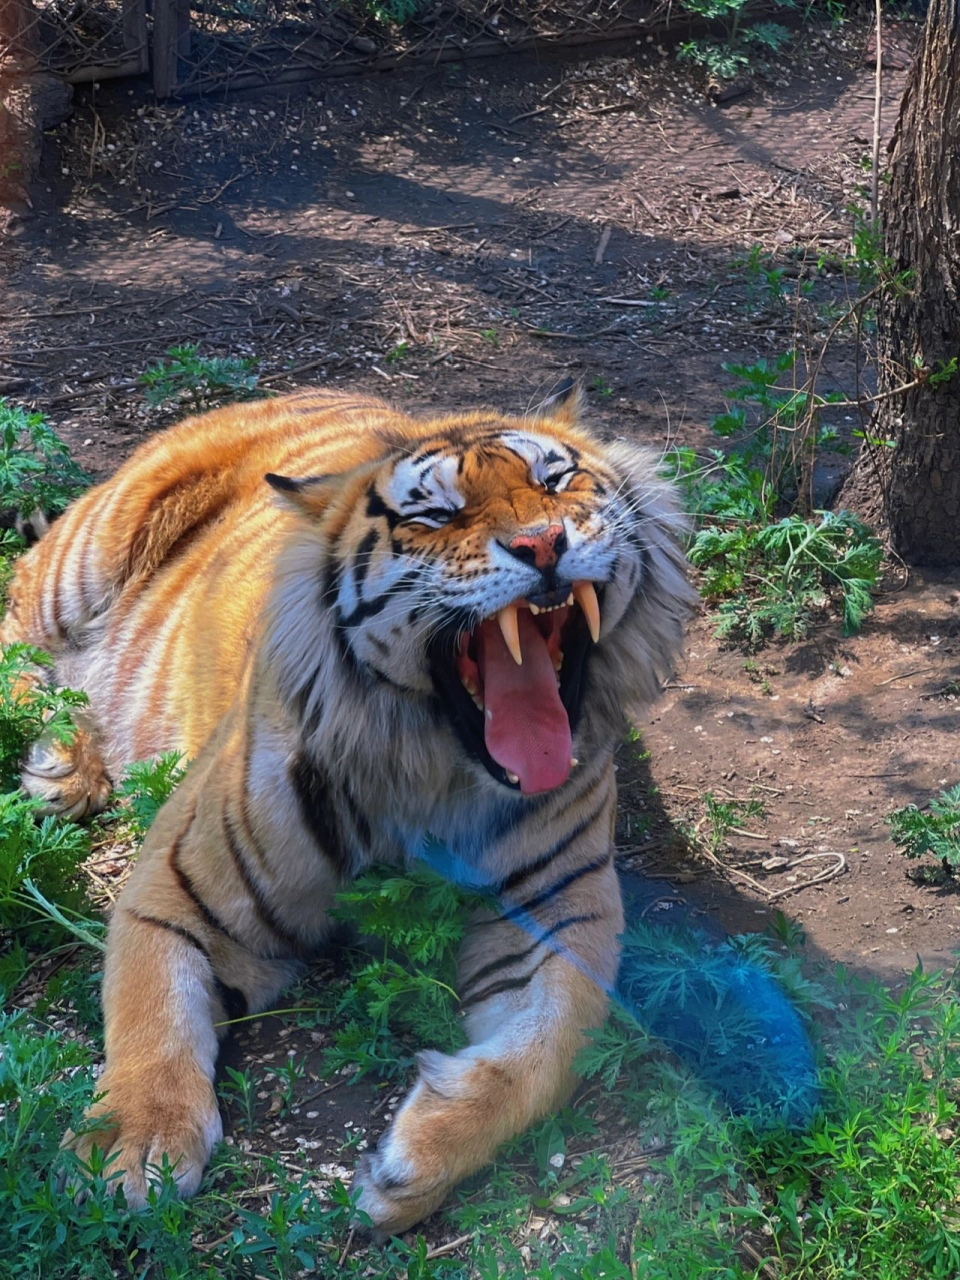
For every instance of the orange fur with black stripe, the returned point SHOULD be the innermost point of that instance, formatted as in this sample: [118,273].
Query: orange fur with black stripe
[362,628]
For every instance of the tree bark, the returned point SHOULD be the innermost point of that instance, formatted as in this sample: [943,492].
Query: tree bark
[919,324]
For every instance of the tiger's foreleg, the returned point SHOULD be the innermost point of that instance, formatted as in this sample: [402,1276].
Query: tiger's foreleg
[527,1005]
[190,946]
[155,1097]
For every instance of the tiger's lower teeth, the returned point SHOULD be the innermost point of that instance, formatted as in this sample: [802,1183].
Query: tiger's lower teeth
[512,777]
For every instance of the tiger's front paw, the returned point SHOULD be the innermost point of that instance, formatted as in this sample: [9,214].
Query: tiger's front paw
[394,1196]
[449,1126]
[69,778]
[136,1125]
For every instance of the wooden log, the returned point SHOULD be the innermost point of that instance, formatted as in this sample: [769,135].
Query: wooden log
[129,65]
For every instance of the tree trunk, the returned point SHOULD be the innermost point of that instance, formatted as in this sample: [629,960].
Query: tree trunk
[919,325]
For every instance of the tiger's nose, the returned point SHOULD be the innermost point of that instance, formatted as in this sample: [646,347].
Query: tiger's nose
[541,548]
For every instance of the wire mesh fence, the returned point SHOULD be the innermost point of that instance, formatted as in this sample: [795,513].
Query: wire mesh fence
[238,42]
[76,39]
[198,46]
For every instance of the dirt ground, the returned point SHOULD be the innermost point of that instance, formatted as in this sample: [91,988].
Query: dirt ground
[475,233]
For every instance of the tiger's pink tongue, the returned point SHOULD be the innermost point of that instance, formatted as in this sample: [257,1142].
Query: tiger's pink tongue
[525,725]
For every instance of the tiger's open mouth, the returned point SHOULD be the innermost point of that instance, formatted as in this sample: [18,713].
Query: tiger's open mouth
[513,686]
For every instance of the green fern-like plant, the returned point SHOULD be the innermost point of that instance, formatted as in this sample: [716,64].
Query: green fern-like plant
[199,380]
[26,710]
[775,579]
[36,469]
[400,992]
[41,894]
[145,787]
[935,831]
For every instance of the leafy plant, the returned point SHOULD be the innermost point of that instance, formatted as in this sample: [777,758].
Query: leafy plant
[396,12]
[727,58]
[762,276]
[398,353]
[146,786]
[390,1007]
[289,1074]
[45,1083]
[722,816]
[239,1088]
[776,579]
[769,576]
[39,870]
[935,831]
[41,895]
[28,706]
[36,469]
[200,380]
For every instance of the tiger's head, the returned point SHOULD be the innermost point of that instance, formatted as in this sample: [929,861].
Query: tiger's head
[516,576]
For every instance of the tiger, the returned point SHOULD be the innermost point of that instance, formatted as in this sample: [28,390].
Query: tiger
[362,629]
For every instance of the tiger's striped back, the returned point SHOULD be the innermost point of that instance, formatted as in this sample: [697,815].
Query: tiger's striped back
[161,637]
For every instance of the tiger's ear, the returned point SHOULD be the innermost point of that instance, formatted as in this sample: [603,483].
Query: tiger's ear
[310,496]
[564,403]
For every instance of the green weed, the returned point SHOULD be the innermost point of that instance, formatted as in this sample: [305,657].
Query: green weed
[45,1082]
[721,817]
[396,12]
[36,469]
[24,712]
[650,1175]
[41,895]
[399,995]
[398,353]
[768,576]
[934,831]
[763,279]
[744,45]
[199,381]
[239,1089]
[288,1074]
[145,787]
[777,579]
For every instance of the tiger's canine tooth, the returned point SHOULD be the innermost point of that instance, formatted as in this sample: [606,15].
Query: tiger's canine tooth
[512,777]
[534,609]
[510,629]
[586,597]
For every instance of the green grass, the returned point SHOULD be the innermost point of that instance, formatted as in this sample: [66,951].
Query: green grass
[650,1174]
